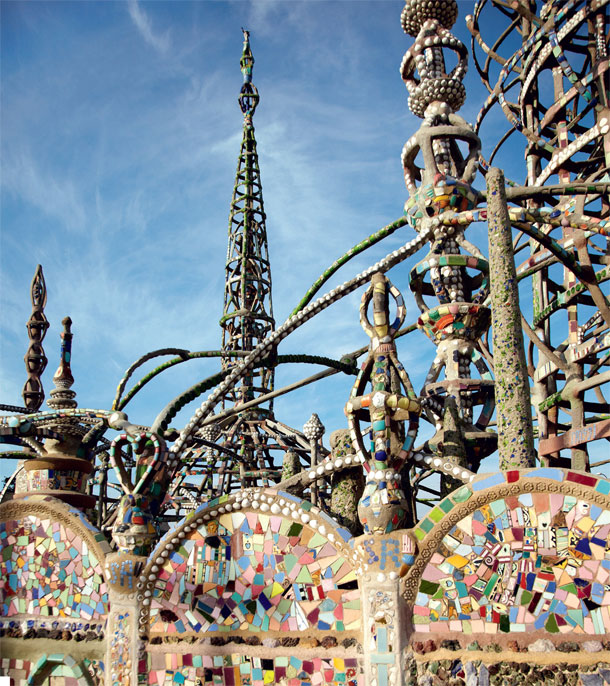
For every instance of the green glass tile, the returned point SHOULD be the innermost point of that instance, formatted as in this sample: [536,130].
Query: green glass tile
[426,525]
[304,577]
[526,596]
[462,495]
[490,584]
[436,515]
[428,587]
[419,534]
[551,624]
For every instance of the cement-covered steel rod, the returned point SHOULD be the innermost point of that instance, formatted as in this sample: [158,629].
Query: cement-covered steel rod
[515,431]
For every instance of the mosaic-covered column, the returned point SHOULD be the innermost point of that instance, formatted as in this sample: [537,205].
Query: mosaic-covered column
[442,201]
[134,533]
[383,506]
[385,559]
[125,650]
[515,433]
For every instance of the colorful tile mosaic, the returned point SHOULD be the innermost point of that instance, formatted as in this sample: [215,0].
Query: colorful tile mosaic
[62,669]
[255,572]
[120,642]
[426,524]
[49,570]
[238,670]
[380,639]
[538,561]
[17,670]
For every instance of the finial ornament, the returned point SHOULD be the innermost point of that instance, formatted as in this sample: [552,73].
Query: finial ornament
[248,96]
[35,358]
[61,395]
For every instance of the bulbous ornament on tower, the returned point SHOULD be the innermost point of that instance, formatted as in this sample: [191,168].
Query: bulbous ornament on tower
[416,12]
[383,506]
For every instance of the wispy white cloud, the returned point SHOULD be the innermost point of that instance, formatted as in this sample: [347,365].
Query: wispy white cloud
[56,197]
[160,42]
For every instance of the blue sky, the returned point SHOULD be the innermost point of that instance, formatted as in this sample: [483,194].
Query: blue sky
[120,134]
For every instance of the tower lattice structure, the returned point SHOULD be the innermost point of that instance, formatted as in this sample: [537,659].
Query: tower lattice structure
[248,313]
[247,316]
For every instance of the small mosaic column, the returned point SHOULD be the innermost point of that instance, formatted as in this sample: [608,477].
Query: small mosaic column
[515,433]
[126,663]
[383,506]
[384,613]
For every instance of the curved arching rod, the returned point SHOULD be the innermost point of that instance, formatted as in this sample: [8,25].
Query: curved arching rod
[568,260]
[292,323]
[352,252]
[594,290]
[333,369]
[183,356]
[138,363]
[544,349]
[14,454]
[173,407]
[15,409]
[574,188]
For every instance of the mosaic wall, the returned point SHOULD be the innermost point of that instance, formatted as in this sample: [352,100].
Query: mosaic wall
[537,561]
[256,572]
[238,670]
[47,569]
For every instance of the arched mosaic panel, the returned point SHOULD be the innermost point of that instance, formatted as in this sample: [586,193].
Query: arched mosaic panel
[255,571]
[49,567]
[538,561]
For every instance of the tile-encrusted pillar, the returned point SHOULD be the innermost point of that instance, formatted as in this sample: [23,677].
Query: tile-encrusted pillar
[384,612]
[513,403]
[125,650]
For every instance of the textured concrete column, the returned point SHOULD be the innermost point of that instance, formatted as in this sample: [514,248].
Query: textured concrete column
[513,404]
[125,656]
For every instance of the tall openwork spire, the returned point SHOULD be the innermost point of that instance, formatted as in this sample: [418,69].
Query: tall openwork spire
[248,315]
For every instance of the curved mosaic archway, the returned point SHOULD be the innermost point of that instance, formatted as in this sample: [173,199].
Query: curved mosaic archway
[516,552]
[59,666]
[262,560]
[52,561]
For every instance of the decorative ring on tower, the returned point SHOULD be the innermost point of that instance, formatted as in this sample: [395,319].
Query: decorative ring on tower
[416,12]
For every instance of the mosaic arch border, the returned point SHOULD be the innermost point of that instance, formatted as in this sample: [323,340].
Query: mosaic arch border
[268,501]
[47,663]
[65,514]
[431,529]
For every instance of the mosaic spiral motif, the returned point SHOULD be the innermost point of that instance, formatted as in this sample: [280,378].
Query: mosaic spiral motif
[539,561]
[255,572]
[47,569]
[238,670]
